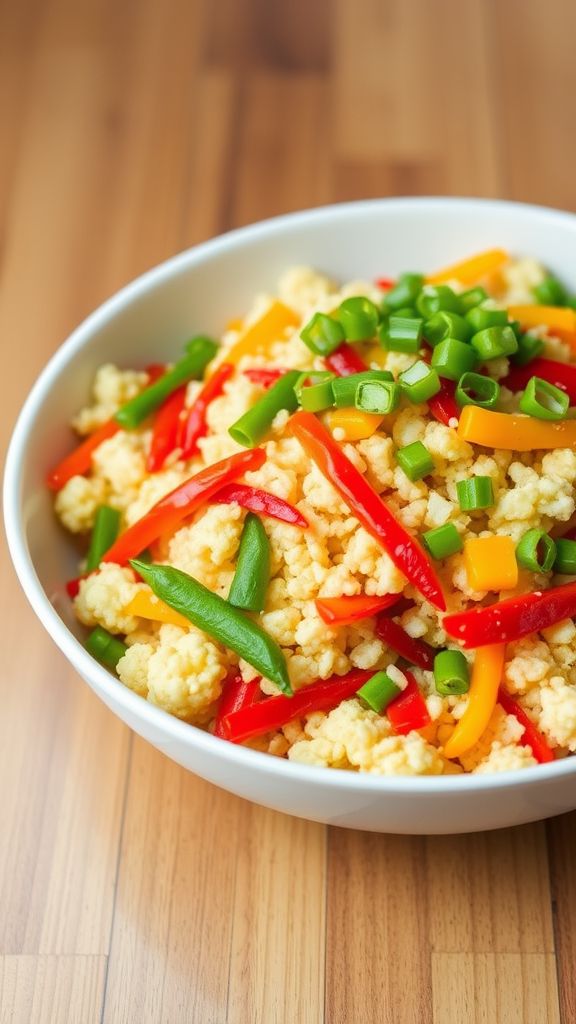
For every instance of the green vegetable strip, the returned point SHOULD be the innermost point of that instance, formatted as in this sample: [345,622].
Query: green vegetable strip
[379,691]
[359,318]
[250,583]
[106,527]
[476,389]
[442,541]
[381,396]
[199,352]
[451,673]
[550,292]
[255,424]
[528,349]
[565,560]
[476,493]
[105,647]
[344,388]
[404,293]
[219,619]
[536,551]
[544,400]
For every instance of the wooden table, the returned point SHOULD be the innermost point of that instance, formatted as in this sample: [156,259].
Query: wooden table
[129,890]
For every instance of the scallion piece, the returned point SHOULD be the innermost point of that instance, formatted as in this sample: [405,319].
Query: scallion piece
[550,292]
[494,342]
[565,560]
[529,348]
[379,691]
[451,358]
[473,297]
[344,388]
[401,333]
[442,541]
[434,298]
[404,292]
[104,647]
[415,460]
[536,551]
[199,352]
[480,319]
[475,494]
[322,334]
[446,324]
[451,673]
[104,533]
[544,400]
[255,424]
[377,396]
[477,389]
[419,382]
[314,390]
[359,318]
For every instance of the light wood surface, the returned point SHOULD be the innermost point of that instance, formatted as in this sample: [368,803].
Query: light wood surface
[129,890]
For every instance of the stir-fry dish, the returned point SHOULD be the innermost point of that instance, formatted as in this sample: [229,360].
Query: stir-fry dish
[345,532]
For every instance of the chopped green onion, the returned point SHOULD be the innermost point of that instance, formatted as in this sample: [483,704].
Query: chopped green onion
[536,551]
[565,561]
[475,493]
[322,334]
[550,292]
[104,533]
[317,395]
[401,333]
[434,298]
[404,292]
[344,388]
[477,389]
[255,424]
[199,352]
[479,318]
[451,358]
[451,673]
[473,297]
[415,460]
[529,348]
[446,325]
[571,301]
[544,400]
[252,576]
[443,541]
[419,382]
[493,342]
[378,396]
[379,691]
[104,647]
[359,318]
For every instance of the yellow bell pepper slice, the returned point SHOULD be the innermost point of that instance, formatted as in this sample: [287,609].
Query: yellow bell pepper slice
[514,433]
[260,336]
[355,424]
[559,320]
[491,563]
[471,270]
[146,605]
[486,676]
[236,324]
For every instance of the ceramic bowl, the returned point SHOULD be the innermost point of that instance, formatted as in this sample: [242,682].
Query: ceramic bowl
[198,291]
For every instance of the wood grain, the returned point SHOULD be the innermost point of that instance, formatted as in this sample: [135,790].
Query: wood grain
[129,890]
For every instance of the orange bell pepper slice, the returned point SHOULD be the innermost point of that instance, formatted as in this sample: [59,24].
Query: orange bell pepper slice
[342,611]
[512,432]
[482,698]
[260,336]
[491,563]
[355,424]
[471,270]
[145,605]
[559,320]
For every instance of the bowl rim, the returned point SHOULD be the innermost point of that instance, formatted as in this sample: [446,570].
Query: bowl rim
[102,681]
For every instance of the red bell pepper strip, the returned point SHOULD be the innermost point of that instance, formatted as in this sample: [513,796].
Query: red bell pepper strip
[418,652]
[341,611]
[385,283]
[79,461]
[443,405]
[236,694]
[532,736]
[260,501]
[274,712]
[194,425]
[409,710]
[181,503]
[155,371]
[266,376]
[73,586]
[166,429]
[561,375]
[367,506]
[513,618]
[344,361]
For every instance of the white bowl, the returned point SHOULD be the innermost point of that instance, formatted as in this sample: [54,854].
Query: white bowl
[199,291]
